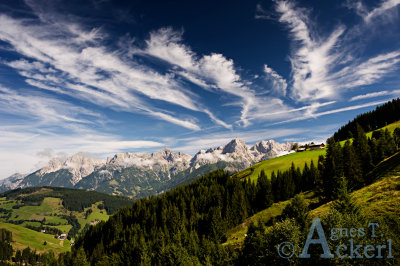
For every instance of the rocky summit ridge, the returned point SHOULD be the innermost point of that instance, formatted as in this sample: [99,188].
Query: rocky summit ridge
[132,173]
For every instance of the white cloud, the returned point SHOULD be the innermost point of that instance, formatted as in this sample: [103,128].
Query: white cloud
[90,71]
[313,114]
[165,44]
[279,84]
[321,68]
[46,110]
[42,126]
[374,94]
[212,72]
[380,10]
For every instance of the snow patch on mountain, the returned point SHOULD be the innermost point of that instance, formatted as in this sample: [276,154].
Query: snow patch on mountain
[239,153]
[165,159]
[163,164]
[79,165]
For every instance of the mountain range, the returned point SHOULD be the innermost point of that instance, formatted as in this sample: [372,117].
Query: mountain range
[141,174]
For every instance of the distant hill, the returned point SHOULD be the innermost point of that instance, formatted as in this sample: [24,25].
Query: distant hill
[56,210]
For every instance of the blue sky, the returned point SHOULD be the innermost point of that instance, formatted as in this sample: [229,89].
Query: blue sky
[106,76]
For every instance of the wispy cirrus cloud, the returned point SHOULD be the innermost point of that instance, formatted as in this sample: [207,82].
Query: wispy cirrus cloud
[374,95]
[378,11]
[45,110]
[33,122]
[323,66]
[69,62]
[212,72]
[216,73]
[314,114]
[279,84]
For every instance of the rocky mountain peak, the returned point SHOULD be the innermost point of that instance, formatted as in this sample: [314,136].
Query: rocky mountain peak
[79,165]
[235,146]
[171,156]
[53,165]
[162,165]
[264,146]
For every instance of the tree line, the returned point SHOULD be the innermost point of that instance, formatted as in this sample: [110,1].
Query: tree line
[378,118]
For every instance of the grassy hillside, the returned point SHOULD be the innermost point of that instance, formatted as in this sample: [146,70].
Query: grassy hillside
[391,127]
[281,163]
[236,235]
[26,211]
[24,237]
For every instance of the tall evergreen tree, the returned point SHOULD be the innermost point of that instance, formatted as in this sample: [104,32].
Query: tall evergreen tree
[314,175]
[333,168]
[275,191]
[362,149]
[352,166]
[264,191]
[345,203]
[396,137]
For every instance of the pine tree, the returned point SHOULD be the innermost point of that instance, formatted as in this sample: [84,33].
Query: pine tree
[274,186]
[297,209]
[352,166]
[396,137]
[333,168]
[362,149]
[314,175]
[264,191]
[306,177]
[345,203]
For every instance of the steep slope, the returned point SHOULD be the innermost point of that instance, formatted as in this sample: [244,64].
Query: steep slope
[377,201]
[380,198]
[283,163]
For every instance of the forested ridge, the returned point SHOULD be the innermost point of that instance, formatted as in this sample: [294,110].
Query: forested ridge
[72,199]
[378,118]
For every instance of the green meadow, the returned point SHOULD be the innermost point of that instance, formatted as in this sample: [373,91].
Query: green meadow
[281,163]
